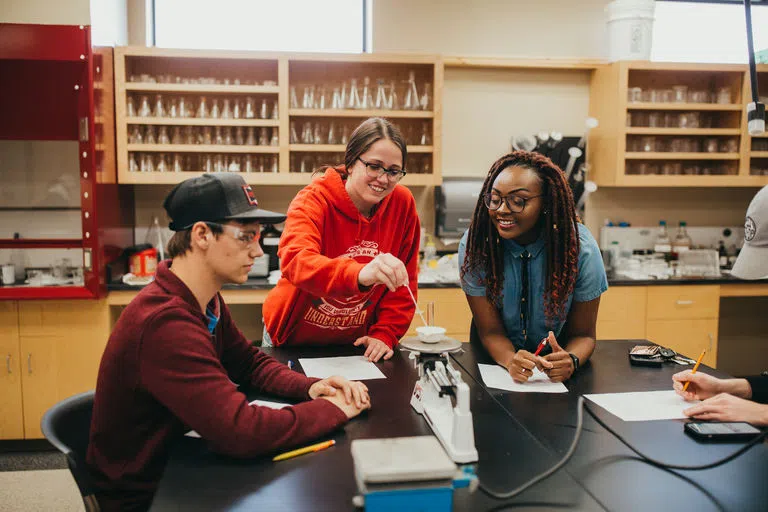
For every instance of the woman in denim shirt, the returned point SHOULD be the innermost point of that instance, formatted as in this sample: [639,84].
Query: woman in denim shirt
[531,270]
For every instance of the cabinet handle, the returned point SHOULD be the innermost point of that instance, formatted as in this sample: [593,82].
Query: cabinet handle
[684,302]
[29,363]
[8,363]
[711,341]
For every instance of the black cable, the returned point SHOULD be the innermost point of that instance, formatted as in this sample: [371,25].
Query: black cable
[751,51]
[581,406]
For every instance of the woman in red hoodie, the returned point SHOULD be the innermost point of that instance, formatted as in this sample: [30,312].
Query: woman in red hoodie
[349,248]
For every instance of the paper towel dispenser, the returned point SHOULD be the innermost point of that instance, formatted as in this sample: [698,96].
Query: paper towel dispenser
[455,202]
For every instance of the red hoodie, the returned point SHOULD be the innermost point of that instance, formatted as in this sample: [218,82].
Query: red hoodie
[325,244]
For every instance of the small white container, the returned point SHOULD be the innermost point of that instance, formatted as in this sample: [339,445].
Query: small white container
[430,333]
[630,29]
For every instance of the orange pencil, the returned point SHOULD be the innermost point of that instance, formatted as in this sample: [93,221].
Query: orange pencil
[695,367]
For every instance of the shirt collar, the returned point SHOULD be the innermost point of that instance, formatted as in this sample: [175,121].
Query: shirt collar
[516,249]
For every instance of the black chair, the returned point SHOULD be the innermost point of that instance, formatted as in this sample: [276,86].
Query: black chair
[67,426]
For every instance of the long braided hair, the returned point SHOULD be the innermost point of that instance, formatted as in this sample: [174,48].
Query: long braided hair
[558,220]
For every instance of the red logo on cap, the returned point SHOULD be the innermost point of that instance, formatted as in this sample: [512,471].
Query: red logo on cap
[250,195]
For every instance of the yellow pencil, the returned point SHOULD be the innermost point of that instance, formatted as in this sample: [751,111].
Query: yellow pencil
[696,367]
[307,449]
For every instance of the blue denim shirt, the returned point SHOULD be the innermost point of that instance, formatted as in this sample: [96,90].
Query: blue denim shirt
[591,282]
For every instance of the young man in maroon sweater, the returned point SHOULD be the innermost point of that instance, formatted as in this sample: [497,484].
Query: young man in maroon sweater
[175,357]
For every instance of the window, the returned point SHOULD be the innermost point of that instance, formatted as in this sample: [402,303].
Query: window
[706,32]
[267,25]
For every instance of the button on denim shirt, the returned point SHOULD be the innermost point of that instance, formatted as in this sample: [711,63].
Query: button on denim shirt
[591,282]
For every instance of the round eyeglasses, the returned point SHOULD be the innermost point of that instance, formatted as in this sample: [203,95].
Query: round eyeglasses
[375,170]
[514,203]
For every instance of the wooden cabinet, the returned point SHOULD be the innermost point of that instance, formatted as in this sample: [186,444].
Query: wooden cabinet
[622,313]
[11,422]
[685,319]
[56,350]
[672,125]
[451,311]
[274,117]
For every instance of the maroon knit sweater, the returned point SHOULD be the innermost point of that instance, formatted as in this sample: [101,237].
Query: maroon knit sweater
[163,373]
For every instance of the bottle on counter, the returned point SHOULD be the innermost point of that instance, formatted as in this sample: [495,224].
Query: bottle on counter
[682,241]
[20,262]
[663,245]
[722,254]
[430,253]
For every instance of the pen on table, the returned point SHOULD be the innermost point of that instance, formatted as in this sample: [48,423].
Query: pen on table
[541,346]
[307,449]
[696,367]
[290,365]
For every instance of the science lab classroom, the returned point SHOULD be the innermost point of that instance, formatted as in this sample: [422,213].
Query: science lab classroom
[383,255]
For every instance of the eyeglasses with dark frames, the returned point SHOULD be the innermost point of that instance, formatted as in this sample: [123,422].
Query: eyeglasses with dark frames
[375,170]
[515,203]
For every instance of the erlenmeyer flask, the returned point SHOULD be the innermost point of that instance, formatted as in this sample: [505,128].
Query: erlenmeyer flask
[177,166]
[263,136]
[215,110]
[239,138]
[274,163]
[208,164]
[218,138]
[248,164]
[381,97]
[226,110]
[425,139]
[144,110]
[234,164]
[393,103]
[162,137]
[343,95]
[202,109]
[250,108]
[130,107]
[294,137]
[275,111]
[426,97]
[321,98]
[133,166]
[411,94]
[332,133]
[353,100]
[162,163]
[156,237]
[336,102]
[206,137]
[150,137]
[316,137]
[274,141]
[306,134]
[263,112]
[294,99]
[160,107]
[237,109]
[218,164]
[228,136]
[135,137]
[184,108]
[173,107]
[250,138]
[344,135]
[366,101]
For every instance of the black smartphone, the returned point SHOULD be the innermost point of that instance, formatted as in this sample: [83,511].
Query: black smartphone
[716,431]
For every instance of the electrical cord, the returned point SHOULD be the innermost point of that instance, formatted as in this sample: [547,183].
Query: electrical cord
[582,406]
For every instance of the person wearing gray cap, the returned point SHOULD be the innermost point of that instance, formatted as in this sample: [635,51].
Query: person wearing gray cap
[736,399]
[175,356]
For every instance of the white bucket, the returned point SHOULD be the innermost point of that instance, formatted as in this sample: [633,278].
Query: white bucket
[630,29]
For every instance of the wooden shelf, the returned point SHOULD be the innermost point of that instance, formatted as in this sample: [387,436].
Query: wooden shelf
[505,63]
[684,106]
[254,178]
[681,156]
[692,181]
[763,136]
[311,112]
[203,88]
[41,243]
[202,148]
[637,130]
[341,148]
[758,154]
[194,121]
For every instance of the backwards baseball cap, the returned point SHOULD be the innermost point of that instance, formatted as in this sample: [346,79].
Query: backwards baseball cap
[214,197]
[752,262]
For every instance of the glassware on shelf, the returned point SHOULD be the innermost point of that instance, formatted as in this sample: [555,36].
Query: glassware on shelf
[250,138]
[189,136]
[250,108]
[729,145]
[234,164]
[425,138]
[275,110]
[162,136]
[273,164]
[724,95]
[294,100]
[215,110]
[226,110]
[317,137]
[307,99]
[206,136]
[321,98]
[353,99]
[306,134]
[228,140]
[263,136]
[258,163]
[655,119]
[160,110]
[237,109]
[343,95]
[135,137]
[144,109]
[147,163]
[274,140]
[208,164]
[634,94]
[133,166]
[218,137]
[679,93]
[671,119]
[344,135]
[218,164]
[332,139]
[380,103]
[710,145]
[411,101]
[698,96]
[177,163]
[248,164]
[173,108]
[202,109]
[294,137]
[426,97]
[185,108]
[336,102]
[162,163]
[239,137]
[366,101]
[130,107]
[263,111]
[648,144]
[150,137]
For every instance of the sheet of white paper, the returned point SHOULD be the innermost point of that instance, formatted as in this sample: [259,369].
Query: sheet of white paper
[351,367]
[263,403]
[643,405]
[498,377]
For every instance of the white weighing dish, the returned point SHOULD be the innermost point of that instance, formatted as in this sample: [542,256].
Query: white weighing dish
[430,333]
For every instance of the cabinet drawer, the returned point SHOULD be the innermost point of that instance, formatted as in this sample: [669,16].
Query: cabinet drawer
[622,313]
[680,302]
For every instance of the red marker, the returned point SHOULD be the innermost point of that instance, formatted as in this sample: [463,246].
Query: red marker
[541,346]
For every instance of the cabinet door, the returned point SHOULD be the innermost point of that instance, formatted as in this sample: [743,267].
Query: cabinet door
[622,313]
[11,418]
[61,346]
[687,336]
[451,311]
